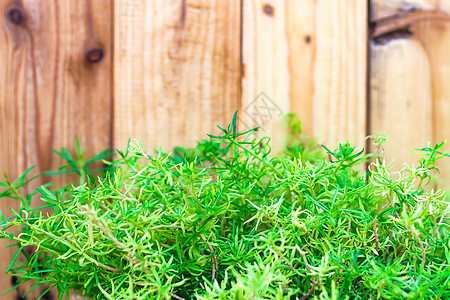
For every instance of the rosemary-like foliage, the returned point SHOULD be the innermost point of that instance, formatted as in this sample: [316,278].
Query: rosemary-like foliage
[227,221]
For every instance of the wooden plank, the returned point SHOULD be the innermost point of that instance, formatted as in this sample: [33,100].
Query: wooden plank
[278,59]
[48,91]
[307,57]
[301,39]
[401,98]
[176,69]
[265,81]
[340,72]
[435,38]
[409,83]
[400,86]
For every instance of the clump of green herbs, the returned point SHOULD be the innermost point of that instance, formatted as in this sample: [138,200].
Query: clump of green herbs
[227,221]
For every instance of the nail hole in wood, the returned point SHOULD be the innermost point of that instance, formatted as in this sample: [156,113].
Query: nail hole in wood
[268,9]
[308,39]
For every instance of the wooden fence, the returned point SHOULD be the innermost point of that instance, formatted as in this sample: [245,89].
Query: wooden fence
[166,72]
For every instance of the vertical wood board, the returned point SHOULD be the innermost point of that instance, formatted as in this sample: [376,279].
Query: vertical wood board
[48,92]
[417,66]
[301,38]
[176,70]
[265,80]
[307,57]
[435,38]
[340,72]
[401,98]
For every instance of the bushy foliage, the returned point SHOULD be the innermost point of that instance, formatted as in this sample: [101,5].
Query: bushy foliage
[227,221]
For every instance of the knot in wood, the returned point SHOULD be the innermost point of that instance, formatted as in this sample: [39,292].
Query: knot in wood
[94,55]
[16,16]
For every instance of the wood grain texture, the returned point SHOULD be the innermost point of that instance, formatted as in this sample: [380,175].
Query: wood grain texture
[307,57]
[400,86]
[301,39]
[435,38]
[177,70]
[421,64]
[48,92]
[340,72]
[401,98]
[266,80]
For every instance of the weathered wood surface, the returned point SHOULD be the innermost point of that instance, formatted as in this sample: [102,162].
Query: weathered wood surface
[265,80]
[309,58]
[410,96]
[49,93]
[301,35]
[340,72]
[401,98]
[177,69]
[435,38]
[172,70]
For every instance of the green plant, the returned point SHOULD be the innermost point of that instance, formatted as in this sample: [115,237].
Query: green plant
[84,169]
[227,221]
[299,145]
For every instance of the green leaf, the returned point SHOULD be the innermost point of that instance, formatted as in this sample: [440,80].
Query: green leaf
[46,193]
[60,172]
[21,178]
[14,258]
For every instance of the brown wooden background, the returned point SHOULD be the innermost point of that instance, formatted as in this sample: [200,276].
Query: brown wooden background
[172,70]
